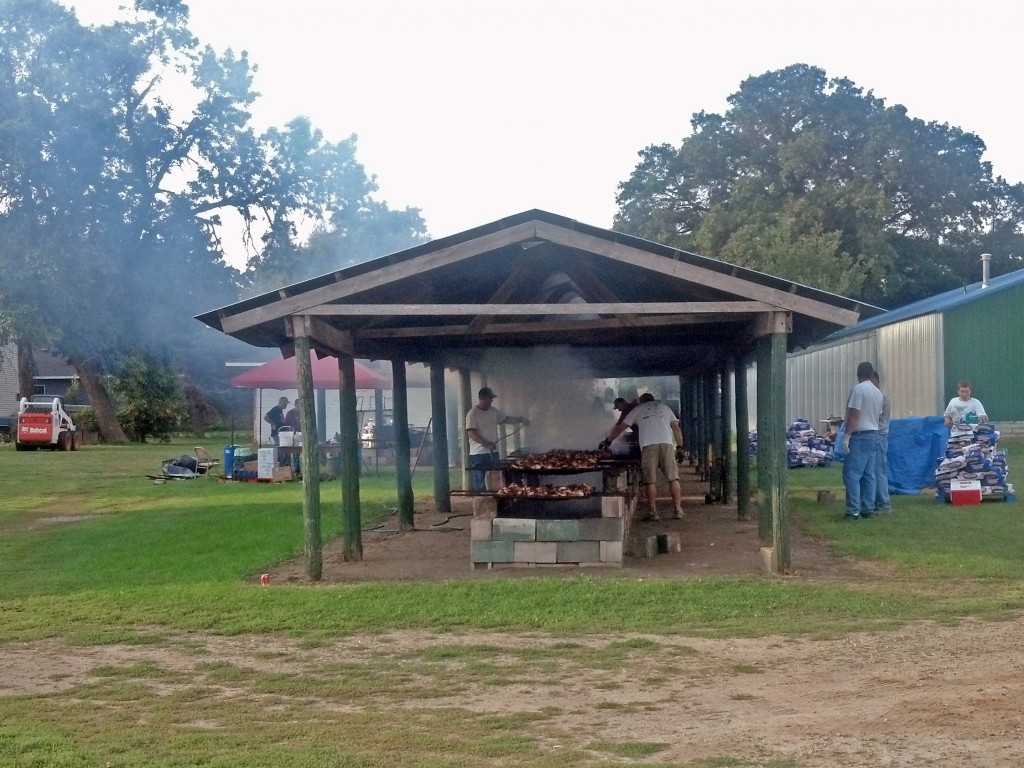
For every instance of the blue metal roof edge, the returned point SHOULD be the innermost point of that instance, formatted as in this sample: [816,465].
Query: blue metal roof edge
[941,302]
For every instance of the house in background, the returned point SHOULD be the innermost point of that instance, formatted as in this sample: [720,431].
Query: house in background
[8,379]
[54,378]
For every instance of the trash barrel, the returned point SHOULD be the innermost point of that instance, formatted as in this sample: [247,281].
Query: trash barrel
[229,460]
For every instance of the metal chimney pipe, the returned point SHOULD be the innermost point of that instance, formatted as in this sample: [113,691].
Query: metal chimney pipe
[986,258]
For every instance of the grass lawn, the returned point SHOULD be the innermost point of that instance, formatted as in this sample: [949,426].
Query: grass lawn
[92,553]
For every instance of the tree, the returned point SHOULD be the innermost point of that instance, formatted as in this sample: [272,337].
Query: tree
[813,179]
[152,397]
[128,166]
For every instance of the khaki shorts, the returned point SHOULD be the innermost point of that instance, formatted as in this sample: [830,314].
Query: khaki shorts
[660,455]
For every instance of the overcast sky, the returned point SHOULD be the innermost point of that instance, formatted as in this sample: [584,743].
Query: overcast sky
[473,111]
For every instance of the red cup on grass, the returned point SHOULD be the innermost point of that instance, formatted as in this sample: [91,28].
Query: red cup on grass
[265,579]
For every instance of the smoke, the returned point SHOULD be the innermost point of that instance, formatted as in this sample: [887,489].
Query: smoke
[556,391]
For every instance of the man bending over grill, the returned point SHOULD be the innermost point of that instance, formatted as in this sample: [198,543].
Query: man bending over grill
[482,428]
[661,441]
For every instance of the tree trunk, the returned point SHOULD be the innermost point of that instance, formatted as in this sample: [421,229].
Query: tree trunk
[27,369]
[102,407]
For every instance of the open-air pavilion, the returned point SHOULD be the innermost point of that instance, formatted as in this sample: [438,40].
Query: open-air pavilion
[621,305]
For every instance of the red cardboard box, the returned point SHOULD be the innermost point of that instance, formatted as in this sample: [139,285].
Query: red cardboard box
[965,493]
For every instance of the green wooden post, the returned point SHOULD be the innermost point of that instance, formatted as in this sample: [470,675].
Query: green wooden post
[710,391]
[764,446]
[439,419]
[403,444]
[352,540]
[725,446]
[780,471]
[715,438]
[772,470]
[309,460]
[701,447]
[742,442]
[465,405]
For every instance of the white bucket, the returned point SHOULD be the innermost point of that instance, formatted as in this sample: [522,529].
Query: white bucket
[286,437]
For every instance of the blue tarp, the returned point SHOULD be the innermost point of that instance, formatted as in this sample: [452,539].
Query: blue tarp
[916,445]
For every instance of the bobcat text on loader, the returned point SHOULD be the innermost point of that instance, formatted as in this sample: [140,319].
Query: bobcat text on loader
[43,423]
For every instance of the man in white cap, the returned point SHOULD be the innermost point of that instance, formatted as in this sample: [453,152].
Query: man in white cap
[482,430]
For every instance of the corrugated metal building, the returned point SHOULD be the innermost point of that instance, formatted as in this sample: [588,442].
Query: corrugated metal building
[921,350]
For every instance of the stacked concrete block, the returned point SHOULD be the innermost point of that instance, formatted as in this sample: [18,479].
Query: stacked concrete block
[526,541]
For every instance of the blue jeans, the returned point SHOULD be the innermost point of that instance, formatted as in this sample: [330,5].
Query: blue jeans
[882,500]
[477,471]
[859,473]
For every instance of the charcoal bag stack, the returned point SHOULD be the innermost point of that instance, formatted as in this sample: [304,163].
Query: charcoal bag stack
[805,447]
[972,454]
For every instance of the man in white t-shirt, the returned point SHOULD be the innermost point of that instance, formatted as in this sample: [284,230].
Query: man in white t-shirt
[964,409]
[860,442]
[482,430]
[661,439]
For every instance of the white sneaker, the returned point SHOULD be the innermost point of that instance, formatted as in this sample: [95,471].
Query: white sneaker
[678,515]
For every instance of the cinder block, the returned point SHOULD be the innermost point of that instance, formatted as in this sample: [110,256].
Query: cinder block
[611,551]
[578,551]
[601,529]
[613,506]
[513,529]
[480,529]
[558,530]
[491,551]
[669,542]
[493,480]
[615,481]
[535,552]
[485,506]
[644,546]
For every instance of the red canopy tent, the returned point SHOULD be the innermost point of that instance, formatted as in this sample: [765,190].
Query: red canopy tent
[281,374]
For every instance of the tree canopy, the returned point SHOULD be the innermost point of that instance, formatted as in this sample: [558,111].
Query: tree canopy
[813,179]
[129,168]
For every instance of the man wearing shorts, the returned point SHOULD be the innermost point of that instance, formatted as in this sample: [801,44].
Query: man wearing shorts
[660,438]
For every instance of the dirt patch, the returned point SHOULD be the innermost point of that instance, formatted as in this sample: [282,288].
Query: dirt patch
[714,542]
[924,695]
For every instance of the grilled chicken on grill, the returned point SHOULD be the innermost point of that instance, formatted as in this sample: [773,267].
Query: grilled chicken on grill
[516,491]
[559,459]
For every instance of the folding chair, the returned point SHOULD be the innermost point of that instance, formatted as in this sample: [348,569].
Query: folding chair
[204,461]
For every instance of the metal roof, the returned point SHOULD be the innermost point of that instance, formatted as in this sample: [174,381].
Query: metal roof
[625,305]
[940,303]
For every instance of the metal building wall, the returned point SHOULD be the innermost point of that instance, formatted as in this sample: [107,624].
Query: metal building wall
[819,380]
[984,343]
[910,362]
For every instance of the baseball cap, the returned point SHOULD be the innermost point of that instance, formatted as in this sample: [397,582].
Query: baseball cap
[486,392]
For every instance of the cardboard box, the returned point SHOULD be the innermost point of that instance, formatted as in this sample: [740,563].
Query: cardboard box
[266,463]
[282,475]
[965,493]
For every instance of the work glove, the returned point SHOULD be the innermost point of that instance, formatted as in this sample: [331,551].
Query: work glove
[846,444]
[680,454]
[604,445]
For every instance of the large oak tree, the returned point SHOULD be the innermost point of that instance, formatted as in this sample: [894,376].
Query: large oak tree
[128,169]
[813,179]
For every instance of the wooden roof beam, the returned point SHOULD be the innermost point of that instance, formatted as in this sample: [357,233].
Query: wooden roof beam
[293,305]
[696,274]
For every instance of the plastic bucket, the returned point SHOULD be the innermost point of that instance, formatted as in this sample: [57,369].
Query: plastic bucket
[229,460]
[286,437]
